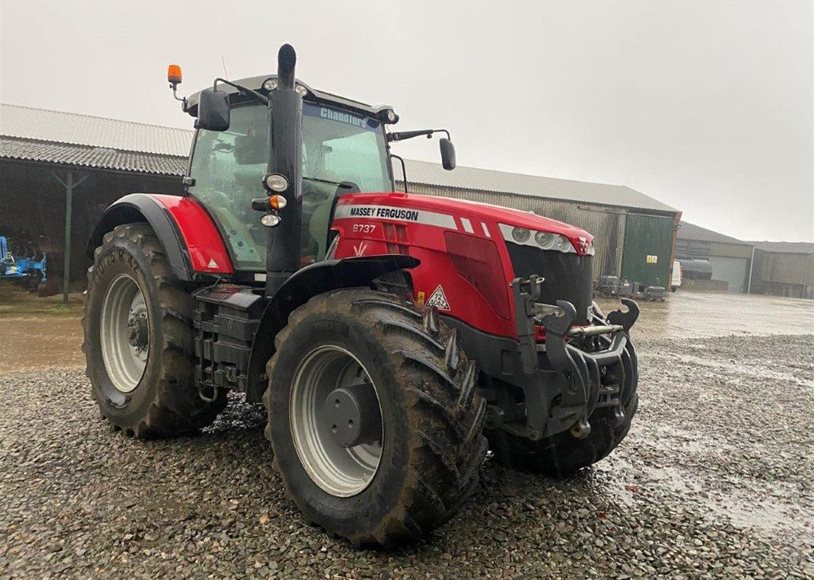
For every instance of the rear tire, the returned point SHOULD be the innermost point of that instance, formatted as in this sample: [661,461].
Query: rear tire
[148,390]
[431,417]
[562,455]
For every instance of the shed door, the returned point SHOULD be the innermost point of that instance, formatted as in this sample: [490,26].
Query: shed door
[732,270]
[646,258]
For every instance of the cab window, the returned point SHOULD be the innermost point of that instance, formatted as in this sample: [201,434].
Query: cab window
[228,167]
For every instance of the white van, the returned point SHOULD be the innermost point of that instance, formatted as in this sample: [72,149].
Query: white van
[676,277]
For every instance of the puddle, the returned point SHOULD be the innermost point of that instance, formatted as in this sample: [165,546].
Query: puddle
[732,368]
[699,315]
[630,483]
[40,341]
[765,514]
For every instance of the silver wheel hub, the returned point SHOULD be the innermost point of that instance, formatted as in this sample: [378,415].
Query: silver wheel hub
[335,418]
[124,333]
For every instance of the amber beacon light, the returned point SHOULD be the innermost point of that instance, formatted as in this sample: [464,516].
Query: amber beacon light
[174,76]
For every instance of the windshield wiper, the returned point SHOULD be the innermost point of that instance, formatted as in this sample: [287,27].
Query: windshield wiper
[343,184]
[402,135]
[243,90]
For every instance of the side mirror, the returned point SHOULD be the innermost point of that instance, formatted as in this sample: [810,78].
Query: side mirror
[447,154]
[213,110]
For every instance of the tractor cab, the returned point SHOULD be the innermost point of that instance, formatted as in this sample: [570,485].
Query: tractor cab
[344,149]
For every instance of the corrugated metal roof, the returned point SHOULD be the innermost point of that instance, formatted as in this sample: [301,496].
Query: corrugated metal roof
[531,185]
[96,157]
[785,247]
[60,127]
[31,127]
[688,231]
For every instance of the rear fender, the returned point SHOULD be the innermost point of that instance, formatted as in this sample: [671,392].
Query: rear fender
[188,235]
[306,283]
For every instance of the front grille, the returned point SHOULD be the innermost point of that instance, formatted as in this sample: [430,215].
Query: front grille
[567,276]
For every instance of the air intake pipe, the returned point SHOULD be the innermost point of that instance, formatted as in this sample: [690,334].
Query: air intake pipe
[285,146]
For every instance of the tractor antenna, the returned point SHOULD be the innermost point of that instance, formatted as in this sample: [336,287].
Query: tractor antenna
[223,62]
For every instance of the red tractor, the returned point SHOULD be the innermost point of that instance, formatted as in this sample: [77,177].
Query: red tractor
[393,338]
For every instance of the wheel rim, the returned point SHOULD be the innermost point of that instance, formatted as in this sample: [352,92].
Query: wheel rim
[124,333]
[338,470]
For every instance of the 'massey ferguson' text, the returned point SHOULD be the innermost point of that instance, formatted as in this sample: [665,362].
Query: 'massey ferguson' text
[385,212]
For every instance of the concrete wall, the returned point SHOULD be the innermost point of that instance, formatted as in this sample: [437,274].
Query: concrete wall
[688,285]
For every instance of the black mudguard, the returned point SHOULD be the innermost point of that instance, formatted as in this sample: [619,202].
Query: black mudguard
[304,284]
[140,207]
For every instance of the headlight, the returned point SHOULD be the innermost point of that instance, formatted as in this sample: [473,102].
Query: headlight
[275,182]
[521,235]
[270,220]
[270,84]
[544,239]
[563,244]
[386,115]
[301,90]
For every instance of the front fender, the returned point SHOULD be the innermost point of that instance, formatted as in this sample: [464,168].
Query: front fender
[304,284]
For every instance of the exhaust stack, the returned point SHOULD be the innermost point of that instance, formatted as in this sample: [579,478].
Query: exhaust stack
[285,145]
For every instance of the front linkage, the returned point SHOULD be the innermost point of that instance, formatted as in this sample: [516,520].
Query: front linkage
[591,379]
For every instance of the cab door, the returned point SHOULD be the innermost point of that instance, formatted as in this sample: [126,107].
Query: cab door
[227,168]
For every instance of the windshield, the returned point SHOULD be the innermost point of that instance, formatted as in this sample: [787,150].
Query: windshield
[339,146]
[228,167]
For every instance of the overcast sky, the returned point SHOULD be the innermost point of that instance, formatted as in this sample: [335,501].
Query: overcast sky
[706,105]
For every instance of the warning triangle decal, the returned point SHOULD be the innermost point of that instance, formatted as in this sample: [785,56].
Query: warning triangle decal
[438,299]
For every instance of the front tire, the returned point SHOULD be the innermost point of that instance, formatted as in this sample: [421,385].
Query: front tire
[139,339]
[428,417]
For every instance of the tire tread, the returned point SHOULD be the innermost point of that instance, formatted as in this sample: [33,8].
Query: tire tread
[442,403]
[176,408]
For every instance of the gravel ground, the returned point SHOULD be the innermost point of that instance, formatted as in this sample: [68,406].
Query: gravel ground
[715,479]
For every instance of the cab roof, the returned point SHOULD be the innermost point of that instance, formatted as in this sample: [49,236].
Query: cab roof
[313,95]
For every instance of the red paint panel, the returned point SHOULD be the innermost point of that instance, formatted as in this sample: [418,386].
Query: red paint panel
[478,262]
[368,235]
[202,238]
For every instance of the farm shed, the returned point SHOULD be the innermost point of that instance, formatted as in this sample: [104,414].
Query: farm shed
[784,269]
[55,165]
[106,158]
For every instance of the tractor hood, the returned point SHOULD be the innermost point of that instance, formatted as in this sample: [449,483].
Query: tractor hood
[481,219]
